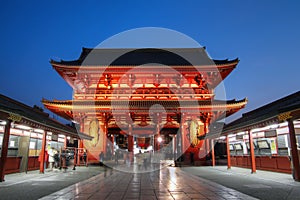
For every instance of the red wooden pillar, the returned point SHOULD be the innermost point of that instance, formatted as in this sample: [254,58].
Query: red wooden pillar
[158,143]
[130,139]
[184,139]
[252,155]
[295,158]
[228,153]
[174,147]
[207,147]
[65,142]
[80,142]
[4,151]
[80,146]
[213,159]
[42,153]
[112,141]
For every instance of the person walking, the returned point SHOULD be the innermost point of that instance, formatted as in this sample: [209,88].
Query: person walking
[139,159]
[101,156]
[116,157]
[51,158]
[85,157]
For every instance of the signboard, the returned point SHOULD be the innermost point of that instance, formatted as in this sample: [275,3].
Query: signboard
[54,137]
[284,116]
[282,141]
[263,144]
[238,146]
[32,145]
[14,117]
[270,133]
[273,147]
[239,137]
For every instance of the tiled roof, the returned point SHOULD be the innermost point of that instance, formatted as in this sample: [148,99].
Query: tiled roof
[37,116]
[269,111]
[133,57]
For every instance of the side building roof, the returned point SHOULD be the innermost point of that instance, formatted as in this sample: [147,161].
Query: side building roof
[35,117]
[265,115]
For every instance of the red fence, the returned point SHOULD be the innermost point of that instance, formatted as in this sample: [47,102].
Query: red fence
[270,163]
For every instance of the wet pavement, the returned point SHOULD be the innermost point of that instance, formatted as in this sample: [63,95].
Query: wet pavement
[167,183]
[96,182]
[34,185]
[263,185]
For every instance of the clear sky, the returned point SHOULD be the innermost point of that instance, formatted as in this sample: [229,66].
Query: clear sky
[264,35]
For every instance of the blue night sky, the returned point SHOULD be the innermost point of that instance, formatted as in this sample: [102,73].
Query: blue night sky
[264,35]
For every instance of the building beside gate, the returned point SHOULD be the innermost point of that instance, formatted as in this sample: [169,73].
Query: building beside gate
[267,138]
[26,132]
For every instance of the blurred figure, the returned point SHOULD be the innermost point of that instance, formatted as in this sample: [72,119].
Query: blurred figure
[139,159]
[56,159]
[51,158]
[84,157]
[117,157]
[101,157]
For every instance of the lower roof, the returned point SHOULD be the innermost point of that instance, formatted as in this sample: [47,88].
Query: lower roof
[267,114]
[18,112]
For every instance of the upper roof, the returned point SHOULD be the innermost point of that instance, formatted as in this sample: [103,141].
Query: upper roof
[37,117]
[133,57]
[265,114]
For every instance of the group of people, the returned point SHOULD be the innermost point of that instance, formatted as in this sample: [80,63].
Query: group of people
[53,157]
[143,159]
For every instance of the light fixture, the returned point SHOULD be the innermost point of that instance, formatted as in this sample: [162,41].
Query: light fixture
[38,130]
[273,126]
[23,127]
[159,139]
[240,133]
[61,136]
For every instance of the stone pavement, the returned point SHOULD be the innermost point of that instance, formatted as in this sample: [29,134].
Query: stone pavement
[167,183]
[34,185]
[263,185]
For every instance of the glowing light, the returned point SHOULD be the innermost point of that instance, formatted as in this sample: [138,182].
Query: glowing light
[49,133]
[38,130]
[159,139]
[26,133]
[273,126]
[23,127]
[240,133]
